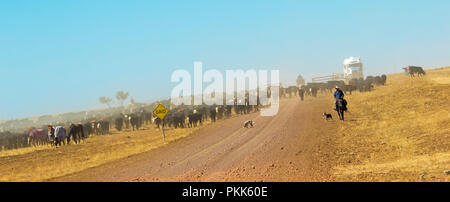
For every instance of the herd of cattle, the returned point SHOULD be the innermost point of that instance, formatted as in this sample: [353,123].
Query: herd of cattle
[312,89]
[180,117]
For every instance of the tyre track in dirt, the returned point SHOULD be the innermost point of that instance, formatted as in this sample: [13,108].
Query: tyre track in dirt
[225,151]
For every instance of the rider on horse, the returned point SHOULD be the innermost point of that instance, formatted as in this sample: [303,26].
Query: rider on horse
[338,95]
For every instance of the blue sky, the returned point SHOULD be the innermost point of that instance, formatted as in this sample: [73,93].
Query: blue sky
[60,56]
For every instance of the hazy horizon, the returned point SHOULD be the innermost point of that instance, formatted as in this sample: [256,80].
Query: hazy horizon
[61,56]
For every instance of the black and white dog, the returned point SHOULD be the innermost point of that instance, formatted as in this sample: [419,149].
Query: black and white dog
[249,123]
[327,116]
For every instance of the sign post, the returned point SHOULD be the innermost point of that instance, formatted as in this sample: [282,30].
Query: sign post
[161,112]
[162,127]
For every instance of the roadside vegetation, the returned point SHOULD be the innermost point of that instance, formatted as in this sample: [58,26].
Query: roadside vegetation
[398,132]
[44,162]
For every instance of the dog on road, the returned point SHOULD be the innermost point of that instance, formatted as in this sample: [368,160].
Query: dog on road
[327,116]
[249,123]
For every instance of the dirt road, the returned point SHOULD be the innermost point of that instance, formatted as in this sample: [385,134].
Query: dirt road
[295,145]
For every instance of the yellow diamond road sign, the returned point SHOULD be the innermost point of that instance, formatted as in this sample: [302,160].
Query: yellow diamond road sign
[161,111]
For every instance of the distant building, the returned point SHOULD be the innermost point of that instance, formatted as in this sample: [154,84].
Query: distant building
[353,68]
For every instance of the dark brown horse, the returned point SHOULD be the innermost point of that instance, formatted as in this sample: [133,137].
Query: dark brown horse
[76,131]
[341,107]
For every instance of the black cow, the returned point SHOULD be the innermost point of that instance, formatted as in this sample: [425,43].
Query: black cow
[291,90]
[100,127]
[220,112]
[301,93]
[148,117]
[127,121]
[348,89]
[87,128]
[416,70]
[134,121]
[158,122]
[383,79]
[119,123]
[194,119]
[212,113]
[178,120]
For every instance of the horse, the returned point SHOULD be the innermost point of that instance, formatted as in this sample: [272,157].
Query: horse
[57,135]
[76,132]
[37,137]
[341,107]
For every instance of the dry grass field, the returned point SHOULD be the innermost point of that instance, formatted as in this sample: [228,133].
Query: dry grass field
[398,132]
[44,162]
